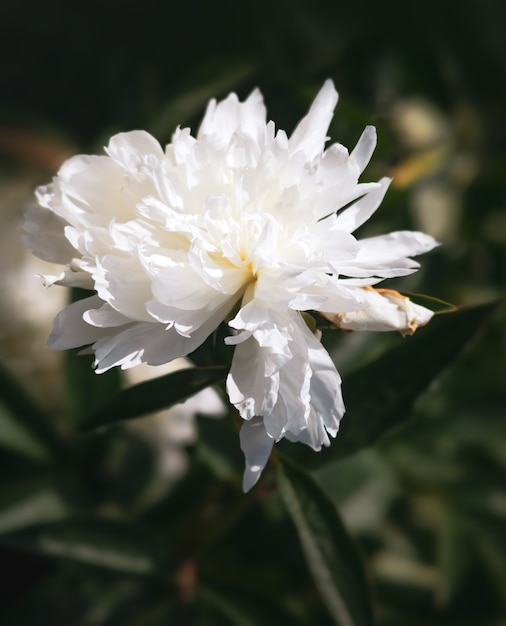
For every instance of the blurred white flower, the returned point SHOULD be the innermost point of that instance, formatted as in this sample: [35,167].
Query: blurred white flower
[26,312]
[171,430]
[239,222]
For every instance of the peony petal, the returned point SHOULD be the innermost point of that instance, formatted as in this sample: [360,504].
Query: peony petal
[387,256]
[122,283]
[131,147]
[249,389]
[92,193]
[136,344]
[389,248]
[230,116]
[321,393]
[151,343]
[362,152]
[71,331]
[311,132]
[256,446]
[105,317]
[359,212]
[44,234]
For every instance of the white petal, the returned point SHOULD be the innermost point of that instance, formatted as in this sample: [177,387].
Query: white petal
[128,148]
[71,331]
[122,282]
[135,344]
[220,275]
[258,382]
[249,389]
[272,374]
[327,403]
[256,446]
[388,248]
[311,132]
[229,116]
[299,398]
[387,256]
[320,393]
[44,234]
[365,147]
[359,212]
[150,343]
[182,298]
[292,407]
[92,192]
[105,317]
[181,287]
[70,278]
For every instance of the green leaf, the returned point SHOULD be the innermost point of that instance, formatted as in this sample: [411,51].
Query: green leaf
[454,554]
[430,302]
[488,531]
[330,554]
[240,605]
[113,545]
[24,426]
[218,448]
[14,436]
[223,609]
[380,396]
[86,391]
[33,502]
[237,604]
[154,395]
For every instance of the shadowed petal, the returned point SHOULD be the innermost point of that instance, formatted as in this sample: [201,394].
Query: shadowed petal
[71,331]
[256,446]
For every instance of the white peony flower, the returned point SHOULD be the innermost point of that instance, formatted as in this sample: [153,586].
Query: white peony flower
[240,224]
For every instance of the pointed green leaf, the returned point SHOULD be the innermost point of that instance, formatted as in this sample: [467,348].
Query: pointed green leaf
[380,396]
[490,540]
[154,395]
[114,545]
[223,609]
[86,391]
[15,436]
[330,554]
[454,554]
[218,448]
[430,302]
[33,502]
[24,426]
[237,604]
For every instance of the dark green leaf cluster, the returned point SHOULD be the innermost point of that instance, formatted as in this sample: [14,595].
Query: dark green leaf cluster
[106,540]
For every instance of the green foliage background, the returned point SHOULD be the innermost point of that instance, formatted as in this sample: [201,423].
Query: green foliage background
[418,473]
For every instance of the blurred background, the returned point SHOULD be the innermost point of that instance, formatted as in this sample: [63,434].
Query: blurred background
[427,507]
